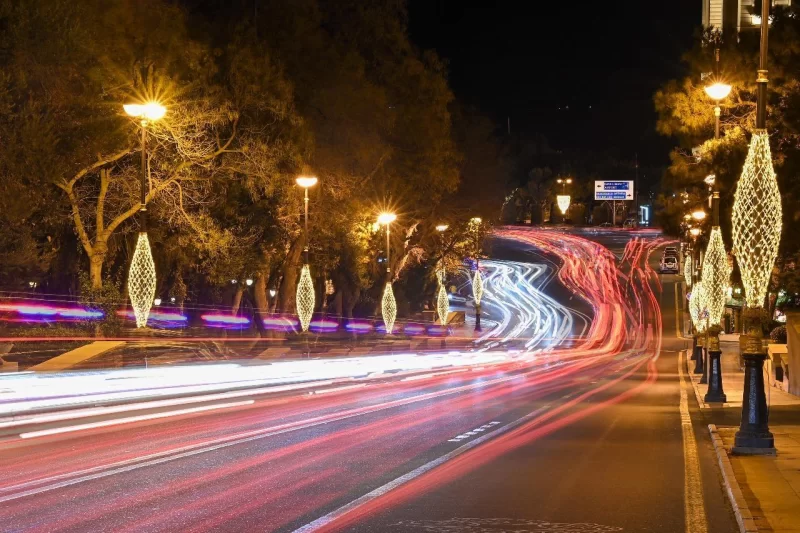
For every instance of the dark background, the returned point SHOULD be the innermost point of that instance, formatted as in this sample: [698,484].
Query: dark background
[582,74]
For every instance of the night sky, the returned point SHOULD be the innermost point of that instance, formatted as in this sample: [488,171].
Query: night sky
[531,60]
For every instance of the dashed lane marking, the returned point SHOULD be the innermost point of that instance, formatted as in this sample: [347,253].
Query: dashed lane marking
[468,434]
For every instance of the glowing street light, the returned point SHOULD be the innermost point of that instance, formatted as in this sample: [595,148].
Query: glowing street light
[695,232]
[142,273]
[699,215]
[388,303]
[442,228]
[718,91]
[305,286]
[757,217]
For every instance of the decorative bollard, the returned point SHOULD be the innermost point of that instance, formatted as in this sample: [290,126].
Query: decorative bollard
[715,393]
[698,359]
[754,437]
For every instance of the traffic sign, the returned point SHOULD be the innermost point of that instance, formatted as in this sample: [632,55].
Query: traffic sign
[613,190]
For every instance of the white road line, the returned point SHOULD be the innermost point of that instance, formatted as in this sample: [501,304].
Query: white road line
[693,502]
[405,478]
[130,419]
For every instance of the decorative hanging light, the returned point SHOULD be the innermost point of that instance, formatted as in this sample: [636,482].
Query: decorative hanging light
[757,219]
[389,308]
[305,298]
[442,305]
[563,203]
[477,287]
[715,276]
[142,280]
[687,270]
[697,306]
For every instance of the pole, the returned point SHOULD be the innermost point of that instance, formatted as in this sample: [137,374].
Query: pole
[143,188]
[305,231]
[614,213]
[477,305]
[636,184]
[388,256]
[761,80]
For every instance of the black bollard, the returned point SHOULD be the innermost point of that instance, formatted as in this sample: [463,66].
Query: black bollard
[754,437]
[698,359]
[715,393]
[477,317]
[704,377]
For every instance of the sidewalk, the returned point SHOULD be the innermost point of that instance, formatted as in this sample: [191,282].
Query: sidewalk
[764,490]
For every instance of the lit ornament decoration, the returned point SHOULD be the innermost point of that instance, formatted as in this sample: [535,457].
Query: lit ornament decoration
[142,280]
[477,287]
[697,306]
[389,308]
[757,219]
[563,203]
[442,305]
[687,270]
[715,276]
[305,298]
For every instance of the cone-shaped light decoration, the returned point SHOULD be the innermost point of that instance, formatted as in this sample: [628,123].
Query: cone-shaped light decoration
[697,306]
[389,308]
[305,298]
[477,287]
[142,280]
[757,219]
[442,305]
[715,276]
[687,270]
[563,203]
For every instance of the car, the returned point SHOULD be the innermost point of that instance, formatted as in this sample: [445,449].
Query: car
[604,225]
[671,251]
[630,224]
[669,265]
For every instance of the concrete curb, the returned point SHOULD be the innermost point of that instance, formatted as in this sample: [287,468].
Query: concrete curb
[743,516]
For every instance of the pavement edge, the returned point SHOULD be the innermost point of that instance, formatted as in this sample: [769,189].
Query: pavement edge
[743,516]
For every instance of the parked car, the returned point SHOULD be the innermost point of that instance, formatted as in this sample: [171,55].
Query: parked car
[630,224]
[669,265]
[605,225]
[671,251]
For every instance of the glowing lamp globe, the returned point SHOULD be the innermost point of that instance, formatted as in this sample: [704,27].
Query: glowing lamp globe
[699,215]
[718,90]
[386,218]
[306,181]
[695,232]
[148,111]
[442,227]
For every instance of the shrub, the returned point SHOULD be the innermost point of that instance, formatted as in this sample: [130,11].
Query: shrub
[778,335]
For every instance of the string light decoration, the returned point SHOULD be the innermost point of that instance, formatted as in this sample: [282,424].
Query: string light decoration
[442,305]
[563,203]
[757,219]
[142,280]
[715,276]
[305,298]
[477,287]
[389,308]
[687,270]
[697,305]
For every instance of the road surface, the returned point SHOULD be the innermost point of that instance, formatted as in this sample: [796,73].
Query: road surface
[592,434]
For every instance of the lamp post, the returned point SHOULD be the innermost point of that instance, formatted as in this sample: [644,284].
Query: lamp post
[442,302]
[142,273]
[388,303]
[756,235]
[305,287]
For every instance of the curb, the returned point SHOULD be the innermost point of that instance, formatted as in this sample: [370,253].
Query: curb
[746,522]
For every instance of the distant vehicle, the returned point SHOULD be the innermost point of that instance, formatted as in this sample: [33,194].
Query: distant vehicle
[671,251]
[669,265]
[605,225]
[630,223]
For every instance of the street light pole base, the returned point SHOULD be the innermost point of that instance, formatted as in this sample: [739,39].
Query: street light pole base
[754,437]
[698,359]
[715,393]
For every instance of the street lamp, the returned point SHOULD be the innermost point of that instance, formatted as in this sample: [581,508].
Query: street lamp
[142,274]
[757,217]
[388,303]
[442,302]
[305,286]
[563,200]
[699,215]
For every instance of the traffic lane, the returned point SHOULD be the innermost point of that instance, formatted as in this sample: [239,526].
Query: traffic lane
[29,459]
[621,467]
[219,480]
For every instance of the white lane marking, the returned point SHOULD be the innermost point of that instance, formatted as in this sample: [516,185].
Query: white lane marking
[336,389]
[405,478]
[119,467]
[474,432]
[130,419]
[693,502]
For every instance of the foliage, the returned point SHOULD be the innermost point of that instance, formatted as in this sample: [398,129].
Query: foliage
[778,335]
[108,298]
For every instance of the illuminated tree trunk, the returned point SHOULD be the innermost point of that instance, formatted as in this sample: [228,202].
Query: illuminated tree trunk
[97,258]
[291,270]
[237,299]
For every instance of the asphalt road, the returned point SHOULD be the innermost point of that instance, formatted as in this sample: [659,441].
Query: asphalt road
[588,437]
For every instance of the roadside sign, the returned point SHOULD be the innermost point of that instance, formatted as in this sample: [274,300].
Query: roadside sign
[613,190]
